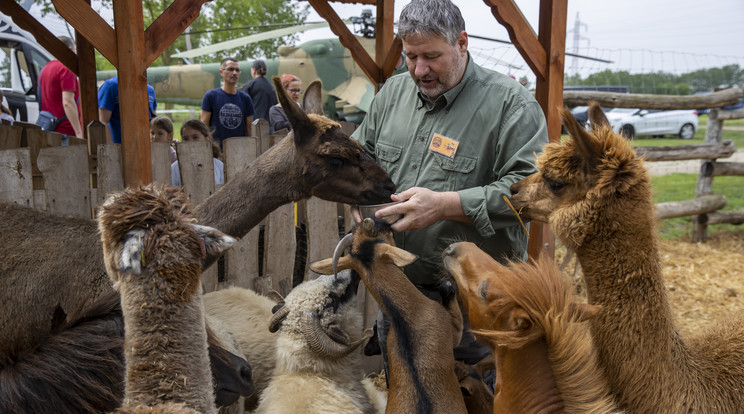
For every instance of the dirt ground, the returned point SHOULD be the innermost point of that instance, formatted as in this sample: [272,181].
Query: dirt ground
[705,281]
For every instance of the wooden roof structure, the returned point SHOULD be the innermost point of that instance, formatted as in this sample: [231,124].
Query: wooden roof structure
[131,49]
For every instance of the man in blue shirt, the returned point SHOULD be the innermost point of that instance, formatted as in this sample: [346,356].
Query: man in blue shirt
[228,111]
[108,108]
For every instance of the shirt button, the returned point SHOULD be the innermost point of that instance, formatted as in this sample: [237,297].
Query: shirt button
[413,167]
[421,138]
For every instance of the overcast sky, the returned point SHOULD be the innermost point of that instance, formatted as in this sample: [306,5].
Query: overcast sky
[636,35]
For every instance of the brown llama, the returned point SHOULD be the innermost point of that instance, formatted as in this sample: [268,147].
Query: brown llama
[153,253]
[595,193]
[528,314]
[51,261]
[423,332]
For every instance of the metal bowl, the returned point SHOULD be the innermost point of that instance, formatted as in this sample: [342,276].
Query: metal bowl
[370,209]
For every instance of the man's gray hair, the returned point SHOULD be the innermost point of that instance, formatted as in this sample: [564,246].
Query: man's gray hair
[431,17]
[67,41]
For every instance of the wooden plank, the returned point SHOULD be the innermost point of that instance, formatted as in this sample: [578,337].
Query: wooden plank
[85,20]
[10,136]
[721,169]
[322,231]
[726,217]
[241,262]
[647,101]
[66,184]
[197,169]
[279,248]
[705,151]
[15,177]
[168,26]
[730,114]
[109,171]
[521,34]
[161,164]
[87,78]
[698,205]
[96,136]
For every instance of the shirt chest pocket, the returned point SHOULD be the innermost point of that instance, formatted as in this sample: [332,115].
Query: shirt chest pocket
[388,157]
[457,173]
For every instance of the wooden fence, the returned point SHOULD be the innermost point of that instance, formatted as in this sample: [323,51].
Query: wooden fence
[42,170]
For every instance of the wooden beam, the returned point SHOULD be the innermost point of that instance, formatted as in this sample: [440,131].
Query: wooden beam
[87,22]
[42,35]
[392,58]
[87,78]
[521,34]
[647,101]
[347,39]
[133,100]
[168,26]
[384,34]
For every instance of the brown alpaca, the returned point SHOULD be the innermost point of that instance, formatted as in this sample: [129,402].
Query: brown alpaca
[153,253]
[595,193]
[423,332]
[51,261]
[528,313]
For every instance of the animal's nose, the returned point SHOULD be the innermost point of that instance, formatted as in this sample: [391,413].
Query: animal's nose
[449,250]
[514,188]
[246,381]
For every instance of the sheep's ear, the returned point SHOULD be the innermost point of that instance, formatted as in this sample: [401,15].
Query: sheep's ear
[313,101]
[215,241]
[398,256]
[325,266]
[583,311]
[302,128]
[132,259]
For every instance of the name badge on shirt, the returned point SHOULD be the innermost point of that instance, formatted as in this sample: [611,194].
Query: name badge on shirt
[443,146]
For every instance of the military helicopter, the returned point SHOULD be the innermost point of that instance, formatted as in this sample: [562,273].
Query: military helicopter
[347,91]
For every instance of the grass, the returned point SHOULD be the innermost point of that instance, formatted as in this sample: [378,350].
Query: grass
[678,187]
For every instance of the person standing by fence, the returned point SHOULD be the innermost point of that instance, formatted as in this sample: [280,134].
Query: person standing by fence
[260,90]
[228,111]
[277,118]
[108,108]
[59,94]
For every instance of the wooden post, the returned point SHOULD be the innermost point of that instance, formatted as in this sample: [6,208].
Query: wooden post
[133,101]
[705,183]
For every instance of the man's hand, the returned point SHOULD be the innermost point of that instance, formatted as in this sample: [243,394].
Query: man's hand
[422,207]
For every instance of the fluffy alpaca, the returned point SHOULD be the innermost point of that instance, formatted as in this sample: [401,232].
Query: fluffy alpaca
[595,193]
[153,254]
[528,313]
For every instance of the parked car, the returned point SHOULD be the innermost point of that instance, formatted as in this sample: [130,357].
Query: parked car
[631,122]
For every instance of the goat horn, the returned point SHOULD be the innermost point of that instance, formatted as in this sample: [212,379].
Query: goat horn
[278,318]
[340,247]
[276,297]
[319,342]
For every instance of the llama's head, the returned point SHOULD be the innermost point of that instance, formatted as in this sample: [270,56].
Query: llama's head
[153,228]
[333,166]
[592,176]
[511,304]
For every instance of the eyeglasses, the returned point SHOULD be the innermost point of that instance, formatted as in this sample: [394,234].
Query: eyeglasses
[295,90]
[232,69]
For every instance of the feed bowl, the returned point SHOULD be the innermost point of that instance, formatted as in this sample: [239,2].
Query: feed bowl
[370,209]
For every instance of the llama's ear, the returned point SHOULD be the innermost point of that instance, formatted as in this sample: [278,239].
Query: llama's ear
[597,117]
[215,241]
[302,128]
[131,258]
[313,101]
[398,256]
[583,311]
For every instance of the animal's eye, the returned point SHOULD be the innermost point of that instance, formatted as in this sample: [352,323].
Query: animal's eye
[335,162]
[553,185]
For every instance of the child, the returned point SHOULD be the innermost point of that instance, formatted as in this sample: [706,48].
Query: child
[161,130]
[196,130]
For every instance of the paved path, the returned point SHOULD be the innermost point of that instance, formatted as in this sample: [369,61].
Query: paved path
[656,168]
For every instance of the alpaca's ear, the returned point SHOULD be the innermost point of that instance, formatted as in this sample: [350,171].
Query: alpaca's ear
[597,117]
[587,147]
[215,241]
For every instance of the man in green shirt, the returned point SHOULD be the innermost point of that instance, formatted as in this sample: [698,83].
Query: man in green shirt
[453,136]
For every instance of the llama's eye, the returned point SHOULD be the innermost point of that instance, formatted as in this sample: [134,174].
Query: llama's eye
[335,162]
[553,185]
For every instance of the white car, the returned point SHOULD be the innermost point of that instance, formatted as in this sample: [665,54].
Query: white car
[632,122]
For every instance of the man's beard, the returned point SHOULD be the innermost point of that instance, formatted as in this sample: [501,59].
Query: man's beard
[443,83]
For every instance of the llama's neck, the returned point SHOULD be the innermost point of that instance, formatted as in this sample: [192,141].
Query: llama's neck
[165,346]
[526,379]
[270,181]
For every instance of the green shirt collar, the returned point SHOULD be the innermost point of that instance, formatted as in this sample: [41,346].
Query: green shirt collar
[448,98]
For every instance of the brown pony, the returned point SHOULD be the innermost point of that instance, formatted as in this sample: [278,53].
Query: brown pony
[529,315]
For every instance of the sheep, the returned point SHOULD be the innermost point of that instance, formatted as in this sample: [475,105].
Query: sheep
[422,365]
[530,316]
[50,260]
[80,367]
[153,253]
[317,370]
[595,193]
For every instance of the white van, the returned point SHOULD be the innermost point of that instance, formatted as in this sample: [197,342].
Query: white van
[21,60]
